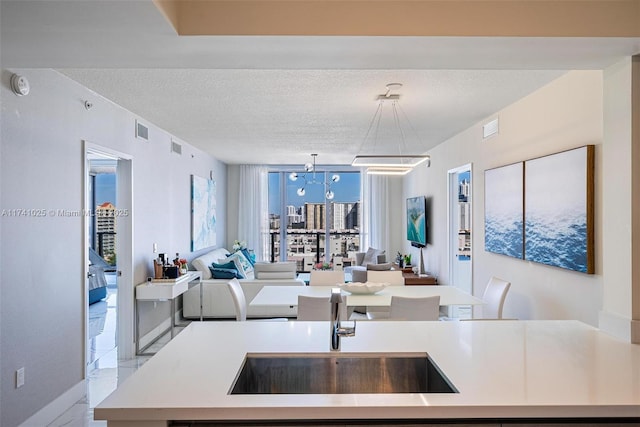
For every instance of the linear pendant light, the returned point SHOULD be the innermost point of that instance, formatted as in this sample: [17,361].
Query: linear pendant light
[388,164]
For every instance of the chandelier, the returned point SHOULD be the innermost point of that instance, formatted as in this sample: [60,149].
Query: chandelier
[389,163]
[310,169]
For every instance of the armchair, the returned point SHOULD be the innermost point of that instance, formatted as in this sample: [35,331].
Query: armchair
[372,256]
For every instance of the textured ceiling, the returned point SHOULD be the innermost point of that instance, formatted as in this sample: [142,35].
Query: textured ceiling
[276,99]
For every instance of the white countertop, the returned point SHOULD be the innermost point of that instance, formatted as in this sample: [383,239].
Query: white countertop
[502,369]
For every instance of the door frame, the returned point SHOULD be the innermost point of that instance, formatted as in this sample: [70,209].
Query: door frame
[124,249]
[451,223]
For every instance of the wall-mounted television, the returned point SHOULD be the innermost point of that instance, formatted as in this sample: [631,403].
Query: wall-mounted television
[417,221]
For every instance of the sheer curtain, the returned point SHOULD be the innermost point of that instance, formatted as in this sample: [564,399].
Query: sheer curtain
[375,212]
[253,209]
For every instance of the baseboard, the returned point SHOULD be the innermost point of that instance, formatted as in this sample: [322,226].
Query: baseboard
[57,407]
[616,325]
[635,331]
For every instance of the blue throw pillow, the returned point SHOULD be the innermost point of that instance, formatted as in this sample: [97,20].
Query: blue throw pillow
[247,255]
[229,264]
[225,273]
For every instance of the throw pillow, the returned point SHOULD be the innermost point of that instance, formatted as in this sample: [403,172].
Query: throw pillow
[248,256]
[225,273]
[241,263]
[371,257]
[229,264]
[240,259]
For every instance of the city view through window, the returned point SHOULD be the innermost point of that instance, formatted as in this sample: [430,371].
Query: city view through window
[309,229]
[104,219]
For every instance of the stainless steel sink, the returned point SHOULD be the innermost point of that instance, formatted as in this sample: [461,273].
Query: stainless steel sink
[342,373]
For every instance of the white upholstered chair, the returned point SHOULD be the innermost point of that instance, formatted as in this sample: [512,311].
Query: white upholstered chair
[405,308]
[494,296]
[326,277]
[317,308]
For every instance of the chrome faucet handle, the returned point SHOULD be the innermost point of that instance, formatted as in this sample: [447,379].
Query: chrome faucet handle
[347,331]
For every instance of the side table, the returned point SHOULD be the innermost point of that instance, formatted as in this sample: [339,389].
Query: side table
[164,290]
[411,278]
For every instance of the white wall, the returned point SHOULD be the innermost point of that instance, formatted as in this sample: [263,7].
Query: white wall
[42,297]
[616,191]
[566,113]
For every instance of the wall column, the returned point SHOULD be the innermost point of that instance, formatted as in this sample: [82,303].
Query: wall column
[635,199]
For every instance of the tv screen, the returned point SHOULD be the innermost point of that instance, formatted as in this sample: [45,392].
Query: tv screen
[417,221]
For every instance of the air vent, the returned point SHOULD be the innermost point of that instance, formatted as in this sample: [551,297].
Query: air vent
[176,148]
[142,131]
[490,128]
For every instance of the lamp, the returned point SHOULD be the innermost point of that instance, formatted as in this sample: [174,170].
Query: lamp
[389,164]
[311,168]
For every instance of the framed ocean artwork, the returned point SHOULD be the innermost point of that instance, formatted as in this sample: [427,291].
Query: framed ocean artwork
[504,210]
[203,213]
[559,209]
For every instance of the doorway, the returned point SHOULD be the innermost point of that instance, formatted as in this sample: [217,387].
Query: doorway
[102,281]
[460,222]
[108,257]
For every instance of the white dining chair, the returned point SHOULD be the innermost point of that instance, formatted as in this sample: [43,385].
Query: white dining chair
[326,277]
[240,302]
[317,308]
[407,308]
[494,297]
[392,277]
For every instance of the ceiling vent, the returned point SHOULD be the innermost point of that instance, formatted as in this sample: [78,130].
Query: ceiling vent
[142,131]
[176,148]
[490,128]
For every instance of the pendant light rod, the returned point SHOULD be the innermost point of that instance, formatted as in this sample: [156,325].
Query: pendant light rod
[389,162]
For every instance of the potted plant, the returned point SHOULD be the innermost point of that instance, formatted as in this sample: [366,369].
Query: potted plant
[407,260]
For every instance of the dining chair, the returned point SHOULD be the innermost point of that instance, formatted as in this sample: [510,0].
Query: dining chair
[326,277]
[392,277]
[494,296]
[317,308]
[240,302]
[407,308]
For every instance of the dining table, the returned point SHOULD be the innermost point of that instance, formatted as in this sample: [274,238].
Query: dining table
[288,295]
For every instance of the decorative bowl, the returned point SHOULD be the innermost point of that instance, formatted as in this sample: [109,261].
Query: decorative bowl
[363,288]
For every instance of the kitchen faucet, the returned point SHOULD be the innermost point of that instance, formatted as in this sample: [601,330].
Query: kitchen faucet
[336,330]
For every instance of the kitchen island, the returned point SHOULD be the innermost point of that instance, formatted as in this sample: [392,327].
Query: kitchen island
[504,372]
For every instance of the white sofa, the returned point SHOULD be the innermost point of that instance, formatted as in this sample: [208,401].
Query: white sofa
[216,298]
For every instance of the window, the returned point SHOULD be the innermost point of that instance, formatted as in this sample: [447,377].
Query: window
[301,225]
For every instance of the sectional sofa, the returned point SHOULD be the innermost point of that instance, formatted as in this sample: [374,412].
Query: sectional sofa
[216,298]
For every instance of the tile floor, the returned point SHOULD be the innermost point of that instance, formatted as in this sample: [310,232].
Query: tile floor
[105,371]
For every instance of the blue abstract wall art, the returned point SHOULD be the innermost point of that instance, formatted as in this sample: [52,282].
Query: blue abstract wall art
[503,207]
[542,210]
[203,213]
[559,210]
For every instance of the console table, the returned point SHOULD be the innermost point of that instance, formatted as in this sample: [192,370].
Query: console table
[164,290]
[411,278]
